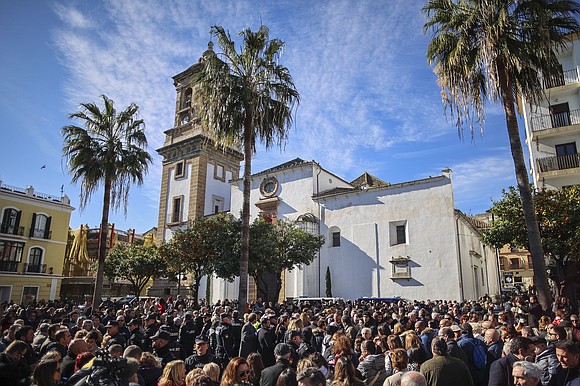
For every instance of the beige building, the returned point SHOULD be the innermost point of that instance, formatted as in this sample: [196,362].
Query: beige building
[33,237]
[516,268]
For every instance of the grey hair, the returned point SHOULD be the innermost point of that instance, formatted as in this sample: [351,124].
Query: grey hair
[531,370]
[413,378]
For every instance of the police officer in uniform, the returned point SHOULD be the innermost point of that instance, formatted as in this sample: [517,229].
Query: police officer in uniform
[187,334]
[115,337]
[225,347]
[201,356]
[165,349]
[137,337]
[151,328]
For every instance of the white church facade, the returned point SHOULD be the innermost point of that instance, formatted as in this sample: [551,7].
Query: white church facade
[382,240]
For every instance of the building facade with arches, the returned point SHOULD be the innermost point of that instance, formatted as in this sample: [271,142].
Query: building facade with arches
[33,238]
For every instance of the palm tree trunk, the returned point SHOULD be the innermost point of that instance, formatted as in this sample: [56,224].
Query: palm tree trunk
[245,247]
[97,294]
[534,239]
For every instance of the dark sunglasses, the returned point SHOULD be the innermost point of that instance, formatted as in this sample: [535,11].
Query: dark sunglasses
[243,373]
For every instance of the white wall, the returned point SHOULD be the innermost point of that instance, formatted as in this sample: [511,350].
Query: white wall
[177,187]
[218,188]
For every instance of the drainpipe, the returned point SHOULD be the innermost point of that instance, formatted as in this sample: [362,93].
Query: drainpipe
[318,227]
[459,258]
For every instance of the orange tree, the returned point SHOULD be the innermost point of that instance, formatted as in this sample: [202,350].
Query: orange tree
[558,213]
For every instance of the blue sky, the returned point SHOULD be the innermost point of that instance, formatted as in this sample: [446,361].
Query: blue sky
[369,101]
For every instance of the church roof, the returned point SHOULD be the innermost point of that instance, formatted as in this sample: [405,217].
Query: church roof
[286,165]
[367,180]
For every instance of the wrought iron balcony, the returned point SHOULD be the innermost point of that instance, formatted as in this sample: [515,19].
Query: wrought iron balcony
[34,268]
[550,121]
[12,230]
[549,164]
[566,77]
[9,266]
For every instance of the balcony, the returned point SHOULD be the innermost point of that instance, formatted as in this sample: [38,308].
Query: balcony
[34,268]
[562,79]
[12,230]
[549,164]
[550,121]
[9,266]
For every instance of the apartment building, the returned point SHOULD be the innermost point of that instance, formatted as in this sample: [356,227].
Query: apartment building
[553,127]
[33,237]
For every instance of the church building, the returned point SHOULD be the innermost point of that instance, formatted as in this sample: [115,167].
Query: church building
[382,239]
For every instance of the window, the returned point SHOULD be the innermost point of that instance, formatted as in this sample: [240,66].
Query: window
[566,154]
[308,223]
[11,222]
[560,115]
[336,239]
[5,292]
[40,226]
[10,255]
[530,264]
[219,172]
[35,261]
[176,214]
[180,169]
[186,102]
[217,204]
[515,263]
[398,232]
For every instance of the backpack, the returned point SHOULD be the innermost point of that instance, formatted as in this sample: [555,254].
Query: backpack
[479,354]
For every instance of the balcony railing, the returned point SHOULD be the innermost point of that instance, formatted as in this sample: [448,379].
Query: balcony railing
[12,230]
[549,164]
[549,121]
[566,77]
[34,268]
[9,266]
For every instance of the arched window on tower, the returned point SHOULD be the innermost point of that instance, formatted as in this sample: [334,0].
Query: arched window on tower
[334,236]
[186,100]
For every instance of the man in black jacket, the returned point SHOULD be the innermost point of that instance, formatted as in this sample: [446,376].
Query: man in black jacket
[249,338]
[187,334]
[201,356]
[568,354]
[500,373]
[270,374]
[136,337]
[266,341]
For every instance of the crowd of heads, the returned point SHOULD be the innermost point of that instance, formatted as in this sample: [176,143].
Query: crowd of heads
[324,342]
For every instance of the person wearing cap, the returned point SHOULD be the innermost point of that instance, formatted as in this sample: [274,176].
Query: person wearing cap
[162,348]
[225,342]
[300,349]
[137,337]
[546,358]
[187,334]
[249,338]
[270,374]
[201,357]
[151,328]
[113,334]
[267,341]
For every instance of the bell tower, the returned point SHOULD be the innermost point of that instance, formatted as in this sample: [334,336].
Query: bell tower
[196,173]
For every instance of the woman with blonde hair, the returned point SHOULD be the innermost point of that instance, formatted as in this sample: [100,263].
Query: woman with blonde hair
[415,351]
[212,370]
[399,361]
[237,371]
[173,374]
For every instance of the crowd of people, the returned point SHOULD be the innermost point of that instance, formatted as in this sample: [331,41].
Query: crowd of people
[175,342]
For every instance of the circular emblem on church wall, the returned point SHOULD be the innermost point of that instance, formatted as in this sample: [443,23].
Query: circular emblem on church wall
[269,187]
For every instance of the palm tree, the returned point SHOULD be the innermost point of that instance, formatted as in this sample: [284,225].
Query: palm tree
[108,151]
[496,50]
[247,97]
